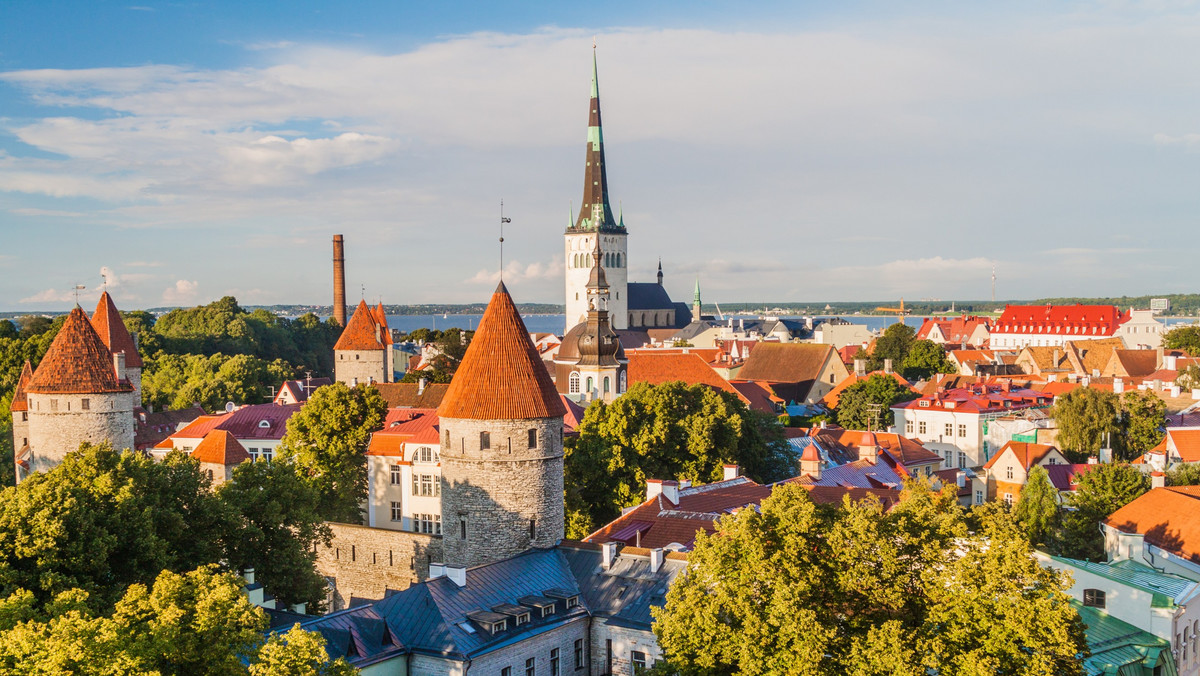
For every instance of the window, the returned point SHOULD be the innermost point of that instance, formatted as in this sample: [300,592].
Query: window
[573,382]
[979,497]
[462,526]
[1093,598]
[506,671]
[578,653]
[397,514]
[591,385]
[253,454]
[530,664]
[426,485]
[949,429]
[430,524]
[572,601]
[425,454]
[532,529]
[921,427]
[962,460]
[554,662]
[533,438]
[1008,473]
[85,404]
[949,458]
[908,427]
[53,404]
[962,430]
[607,384]
[395,475]
[1008,499]
[485,441]
[638,661]
[547,610]
[623,382]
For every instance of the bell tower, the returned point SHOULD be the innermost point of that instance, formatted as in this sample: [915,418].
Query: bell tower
[595,222]
[601,364]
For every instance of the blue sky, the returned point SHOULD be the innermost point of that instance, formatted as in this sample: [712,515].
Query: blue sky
[784,152]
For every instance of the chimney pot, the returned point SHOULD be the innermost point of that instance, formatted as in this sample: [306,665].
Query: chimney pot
[731,472]
[608,553]
[1158,480]
[656,559]
[457,575]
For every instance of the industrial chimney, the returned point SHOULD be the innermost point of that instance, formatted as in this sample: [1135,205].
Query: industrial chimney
[339,280]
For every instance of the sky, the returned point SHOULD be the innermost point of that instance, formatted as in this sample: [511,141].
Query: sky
[787,151]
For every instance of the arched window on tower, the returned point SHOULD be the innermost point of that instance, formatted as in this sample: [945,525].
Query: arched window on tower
[622,382]
[573,382]
[591,384]
[607,384]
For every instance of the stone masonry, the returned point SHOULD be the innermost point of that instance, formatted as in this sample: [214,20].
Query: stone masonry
[365,562]
[363,366]
[505,498]
[59,423]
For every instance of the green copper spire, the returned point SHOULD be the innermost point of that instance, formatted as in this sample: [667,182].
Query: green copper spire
[595,212]
[696,299]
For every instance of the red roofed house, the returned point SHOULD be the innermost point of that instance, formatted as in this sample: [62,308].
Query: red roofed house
[298,391]
[1160,529]
[953,421]
[258,428]
[1178,446]
[1007,472]
[404,475]
[78,393]
[1053,325]
[962,330]
[831,398]
[218,454]
[363,353]
[797,372]
[656,367]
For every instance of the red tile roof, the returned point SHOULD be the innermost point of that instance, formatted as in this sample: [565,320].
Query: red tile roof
[786,362]
[78,362]
[830,400]
[258,421]
[220,448]
[573,416]
[1026,453]
[1186,443]
[363,331]
[757,395]
[1169,518]
[956,330]
[20,402]
[656,368]
[501,376]
[411,395]
[979,398]
[1076,320]
[197,429]
[402,426]
[111,328]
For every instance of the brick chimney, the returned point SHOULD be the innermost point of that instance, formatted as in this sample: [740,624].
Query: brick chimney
[339,280]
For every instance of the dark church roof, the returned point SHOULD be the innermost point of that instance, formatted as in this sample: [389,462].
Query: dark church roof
[648,296]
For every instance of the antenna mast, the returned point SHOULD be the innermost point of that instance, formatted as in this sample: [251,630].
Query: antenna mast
[503,220]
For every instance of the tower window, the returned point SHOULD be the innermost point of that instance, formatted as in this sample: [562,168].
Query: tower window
[590,384]
[607,385]
[462,526]
[573,383]
[485,441]
[533,438]
[85,404]
[532,529]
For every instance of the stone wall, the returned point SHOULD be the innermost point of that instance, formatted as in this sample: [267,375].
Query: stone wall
[505,498]
[365,562]
[365,365]
[59,423]
[538,648]
[624,641]
[134,376]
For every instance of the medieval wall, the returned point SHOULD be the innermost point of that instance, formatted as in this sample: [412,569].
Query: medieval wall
[510,495]
[365,562]
[59,423]
[363,365]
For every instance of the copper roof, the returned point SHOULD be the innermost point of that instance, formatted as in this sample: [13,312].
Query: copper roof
[78,362]
[20,402]
[220,447]
[111,328]
[363,331]
[501,376]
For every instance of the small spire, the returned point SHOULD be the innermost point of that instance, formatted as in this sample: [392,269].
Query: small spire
[696,300]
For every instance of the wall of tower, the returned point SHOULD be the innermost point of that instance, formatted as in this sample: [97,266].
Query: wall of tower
[579,268]
[134,376]
[20,429]
[363,365]
[501,489]
[59,423]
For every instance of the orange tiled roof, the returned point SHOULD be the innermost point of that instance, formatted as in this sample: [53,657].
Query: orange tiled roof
[830,400]
[656,368]
[78,362]
[1186,442]
[501,376]
[1027,454]
[220,448]
[1168,517]
[111,328]
[20,402]
[363,331]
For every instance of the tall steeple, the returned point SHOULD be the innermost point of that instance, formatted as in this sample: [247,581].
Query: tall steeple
[696,302]
[595,213]
[660,271]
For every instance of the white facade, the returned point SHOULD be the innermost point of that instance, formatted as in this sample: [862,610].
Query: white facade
[1142,331]
[615,262]
[841,335]
[1017,341]
[957,436]
[404,492]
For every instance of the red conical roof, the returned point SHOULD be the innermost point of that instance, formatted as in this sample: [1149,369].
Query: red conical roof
[20,402]
[362,332]
[108,323]
[221,448]
[501,376]
[78,362]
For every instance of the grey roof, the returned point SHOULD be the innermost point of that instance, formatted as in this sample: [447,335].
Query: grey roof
[694,329]
[648,296]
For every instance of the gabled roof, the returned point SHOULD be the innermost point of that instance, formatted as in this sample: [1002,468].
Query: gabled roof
[149,429]
[363,331]
[1185,443]
[221,448]
[1066,477]
[956,330]
[501,376]
[78,362]
[300,389]
[403,426]
[1117,647]
[831,398]
[1169,518]
[1134,363]
[786,362]
[1027,454]
[20,402]
[257,421]
[111,328]
[656,368]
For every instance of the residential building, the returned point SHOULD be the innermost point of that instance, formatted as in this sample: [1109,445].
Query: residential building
[879,459]
[963,330]
[1161,529]
[832,397]
[363,353]
[1178,446]
[1050,325]
[150,428]
[1117,647]
[840,333]
[1007,472]
[404,474]
[421,394]
[1142,330]
[218,453]
[797,372]
[656,367]
[298,391]
[259,428]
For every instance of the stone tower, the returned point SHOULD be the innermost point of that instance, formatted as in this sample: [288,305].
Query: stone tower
[79,392]
[111,329]
[502,445]
[595,220]
[20,422]
[363,353]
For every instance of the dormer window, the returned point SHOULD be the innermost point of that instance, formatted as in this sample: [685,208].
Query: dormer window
[547,610]
[263,424]
[924,403]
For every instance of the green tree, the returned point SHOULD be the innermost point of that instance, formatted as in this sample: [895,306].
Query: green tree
[1144,421]
[855,404]
[327,440]
[924,359]
[1086,419]
[1183,338]
[894,344]
[276,530]
[297,653]
[451,346]
[667,431]
[1102,490]
[792,588]
[1037,511]
[179,381]
[1189,378]
[1184,475]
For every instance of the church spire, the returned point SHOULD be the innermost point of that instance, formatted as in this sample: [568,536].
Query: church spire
[696,305]
[595,213]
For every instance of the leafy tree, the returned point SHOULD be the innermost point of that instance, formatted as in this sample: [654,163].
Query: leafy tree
[1087,419]
[1144,418]
[1189,378]
[1037,511]
[450,344]
[924,359]
[327,441]
[1183,338]
[854,409]
[34,325]
[1102,490]
[297,653]
[179,381]
[793,588]
[894,344]
[8,330]
[1184,475]
[276,530]
[667,431]
[7,468]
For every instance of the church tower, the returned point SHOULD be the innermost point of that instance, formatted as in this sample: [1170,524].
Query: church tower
[596,221]
[591,363]
[112,330]
[502,445]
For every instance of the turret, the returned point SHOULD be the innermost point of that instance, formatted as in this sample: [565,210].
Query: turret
[362,353]
[107,322]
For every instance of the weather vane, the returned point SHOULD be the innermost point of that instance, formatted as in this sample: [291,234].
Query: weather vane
[503,220]
[104,276]
[78,288]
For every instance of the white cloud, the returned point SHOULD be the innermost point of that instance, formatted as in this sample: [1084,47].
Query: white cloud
[1188,141]
[516,273]
[48,212]
[183,292]
[272,159]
